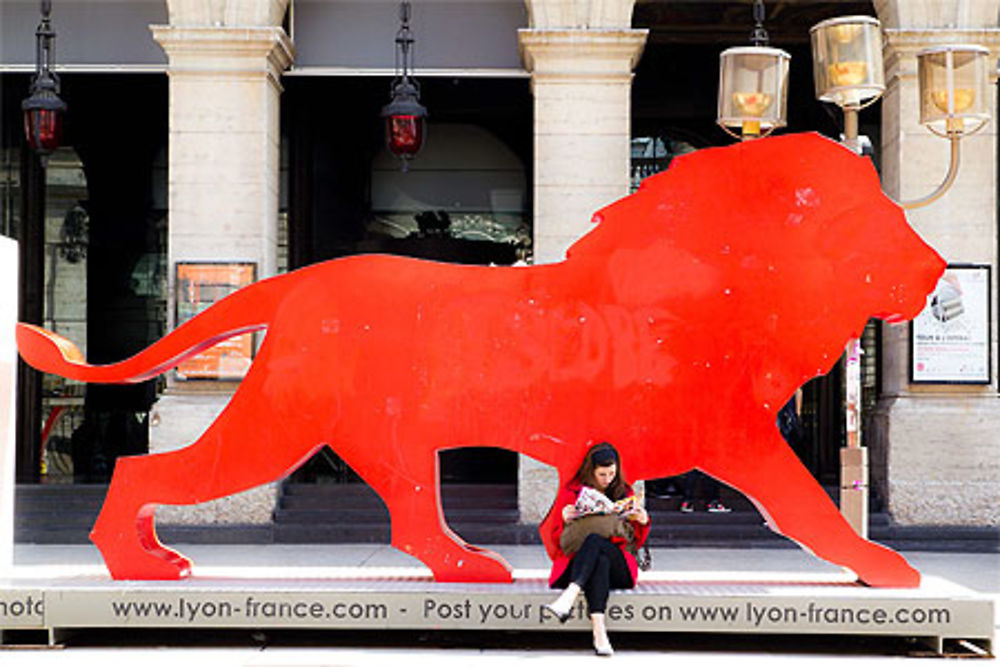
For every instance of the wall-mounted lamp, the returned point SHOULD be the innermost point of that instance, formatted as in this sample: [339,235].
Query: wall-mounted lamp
[953,104]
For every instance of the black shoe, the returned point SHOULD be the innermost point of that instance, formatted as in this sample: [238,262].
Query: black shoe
[716,507]
[562,617]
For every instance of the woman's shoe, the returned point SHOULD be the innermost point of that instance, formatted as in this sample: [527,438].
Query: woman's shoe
[602,645]
[604,651]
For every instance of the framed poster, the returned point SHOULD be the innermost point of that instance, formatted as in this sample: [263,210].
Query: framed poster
[199,285]
[950,339]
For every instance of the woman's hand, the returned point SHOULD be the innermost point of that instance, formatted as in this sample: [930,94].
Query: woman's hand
[569,513]
[638,515]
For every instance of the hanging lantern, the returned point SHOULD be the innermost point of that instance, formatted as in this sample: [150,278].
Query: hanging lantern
[753,85]
[43,109]
[404,115]
[753,90]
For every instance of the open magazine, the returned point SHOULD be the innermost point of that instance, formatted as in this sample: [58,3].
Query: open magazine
[592,501]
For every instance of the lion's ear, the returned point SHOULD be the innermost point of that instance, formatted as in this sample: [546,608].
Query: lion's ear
[600,239]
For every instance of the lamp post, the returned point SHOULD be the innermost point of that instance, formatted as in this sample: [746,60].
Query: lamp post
[848,71]
[43,111]
[847,67]
[404,115]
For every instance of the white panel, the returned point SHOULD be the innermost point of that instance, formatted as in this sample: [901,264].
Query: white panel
[88,32]
[8,374]
[448,33]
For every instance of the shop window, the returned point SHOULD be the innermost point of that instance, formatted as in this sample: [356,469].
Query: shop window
[463,198]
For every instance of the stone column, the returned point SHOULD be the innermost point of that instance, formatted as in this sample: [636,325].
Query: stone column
[225,62]
[939,442]
[581,56]
[224,140]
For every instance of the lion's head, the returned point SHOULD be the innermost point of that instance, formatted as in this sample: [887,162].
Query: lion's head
[782,247]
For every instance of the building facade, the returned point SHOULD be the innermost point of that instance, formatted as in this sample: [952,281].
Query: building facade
[214,142]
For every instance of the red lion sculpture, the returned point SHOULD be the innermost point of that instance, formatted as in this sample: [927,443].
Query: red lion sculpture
[675,329]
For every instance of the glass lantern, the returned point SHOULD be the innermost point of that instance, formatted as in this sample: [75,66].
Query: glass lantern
[847,61]
[953,94]
[404,120]
[753,90]
[405,134]
[43,129]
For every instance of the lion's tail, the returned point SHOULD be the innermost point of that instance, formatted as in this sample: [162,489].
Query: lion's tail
[248,309]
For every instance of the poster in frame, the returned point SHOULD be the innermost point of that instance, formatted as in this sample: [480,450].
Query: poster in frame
[199,285]
[950,338]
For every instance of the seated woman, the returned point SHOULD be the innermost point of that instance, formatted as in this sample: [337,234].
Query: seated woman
[600,563]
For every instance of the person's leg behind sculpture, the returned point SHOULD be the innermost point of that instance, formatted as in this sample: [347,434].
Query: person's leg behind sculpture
[712,491]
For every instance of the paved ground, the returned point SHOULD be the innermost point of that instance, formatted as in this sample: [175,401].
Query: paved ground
[978,572]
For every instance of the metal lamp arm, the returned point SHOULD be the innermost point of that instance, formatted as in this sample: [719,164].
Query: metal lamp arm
[945,184]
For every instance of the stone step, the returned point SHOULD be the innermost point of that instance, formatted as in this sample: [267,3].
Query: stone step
[495,491]
[352,515]
[42,518]
[65,514]
[374,533]
[336,502]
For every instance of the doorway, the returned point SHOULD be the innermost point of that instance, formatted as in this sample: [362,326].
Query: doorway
[465,197]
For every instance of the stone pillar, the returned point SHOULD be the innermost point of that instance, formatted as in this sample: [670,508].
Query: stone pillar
[939,442]
[225,62]
[224,140]
[581,56]
[582,81]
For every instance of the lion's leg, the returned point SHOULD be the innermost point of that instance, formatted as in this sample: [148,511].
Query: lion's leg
[796,506]
[245,447]
[124,532]
[413,498]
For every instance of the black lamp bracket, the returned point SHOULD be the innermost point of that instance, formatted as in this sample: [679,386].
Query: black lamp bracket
[404,49]
[45,36]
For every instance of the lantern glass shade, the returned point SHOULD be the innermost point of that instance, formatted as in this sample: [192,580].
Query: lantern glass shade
[43,129]
[847,61]
[405,134]
[753,89]
[953,92]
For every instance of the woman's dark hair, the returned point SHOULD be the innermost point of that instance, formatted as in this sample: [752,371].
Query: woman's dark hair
[601,455]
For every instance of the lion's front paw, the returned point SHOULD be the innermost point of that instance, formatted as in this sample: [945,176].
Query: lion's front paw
[884,568]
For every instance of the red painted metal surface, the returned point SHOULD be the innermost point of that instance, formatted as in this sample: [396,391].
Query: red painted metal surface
[675,329]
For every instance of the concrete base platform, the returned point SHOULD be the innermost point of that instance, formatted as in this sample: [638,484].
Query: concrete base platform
[54,590]
[939,612]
